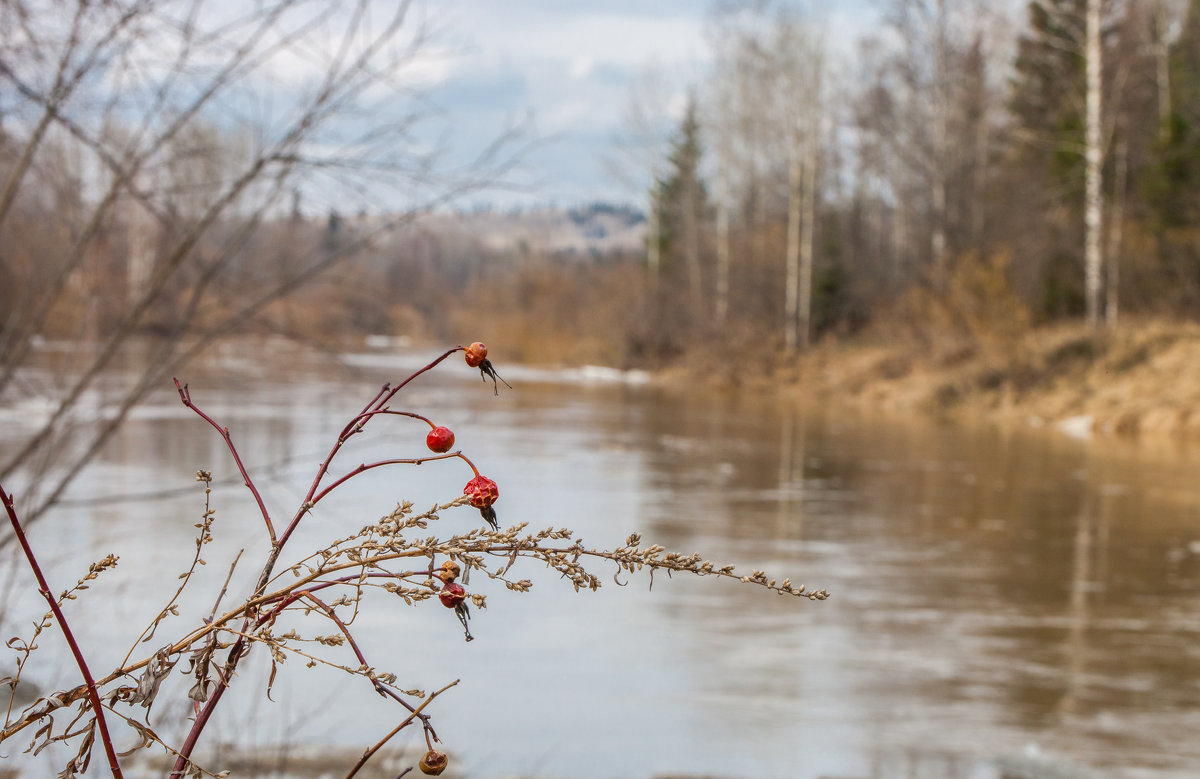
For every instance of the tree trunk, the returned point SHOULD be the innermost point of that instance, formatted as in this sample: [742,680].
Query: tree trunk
[721,308]
[1093,194]
[1116,221]
[808,240]
[653,241]
[691,247]
[791,302]
[1162,61]
[937,239]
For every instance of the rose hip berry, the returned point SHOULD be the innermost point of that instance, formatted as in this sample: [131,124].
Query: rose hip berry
[483,492]
[433,763]
[476,354]
[440,439]
[452,594]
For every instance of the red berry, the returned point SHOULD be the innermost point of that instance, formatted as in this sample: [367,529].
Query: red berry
[440,439]
[483,491]
[433,763]
[452,594]
[476,354]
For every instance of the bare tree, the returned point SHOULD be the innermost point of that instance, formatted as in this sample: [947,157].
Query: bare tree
[799,58]
[641,148]
[159,113]
[927,111]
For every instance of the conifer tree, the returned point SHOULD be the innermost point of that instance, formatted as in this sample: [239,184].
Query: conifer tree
[681,200]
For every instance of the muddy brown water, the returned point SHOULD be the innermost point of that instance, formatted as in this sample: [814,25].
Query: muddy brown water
[1002,600]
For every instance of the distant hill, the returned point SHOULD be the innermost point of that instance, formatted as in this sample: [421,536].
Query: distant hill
[596,228]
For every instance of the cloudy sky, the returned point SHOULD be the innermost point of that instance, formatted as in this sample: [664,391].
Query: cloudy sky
[570,66]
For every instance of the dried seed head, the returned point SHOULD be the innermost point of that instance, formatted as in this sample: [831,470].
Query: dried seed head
[448,572]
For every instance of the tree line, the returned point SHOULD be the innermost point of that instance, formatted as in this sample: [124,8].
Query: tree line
[964,168]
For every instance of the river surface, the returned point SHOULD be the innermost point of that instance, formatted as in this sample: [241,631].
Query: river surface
[1001,599]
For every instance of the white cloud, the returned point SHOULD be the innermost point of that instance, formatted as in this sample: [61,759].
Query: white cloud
[582,66]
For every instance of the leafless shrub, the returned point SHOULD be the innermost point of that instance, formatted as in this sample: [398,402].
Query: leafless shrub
[406,554]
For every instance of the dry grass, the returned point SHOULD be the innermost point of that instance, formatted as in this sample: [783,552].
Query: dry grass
[1143,377]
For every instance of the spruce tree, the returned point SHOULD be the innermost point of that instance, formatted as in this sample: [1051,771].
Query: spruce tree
[681,200]
[1174,185]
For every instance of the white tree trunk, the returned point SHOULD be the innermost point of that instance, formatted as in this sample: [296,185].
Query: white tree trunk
[1093,194]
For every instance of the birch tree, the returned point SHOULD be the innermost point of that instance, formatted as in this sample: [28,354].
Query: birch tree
[799,59]
[927,108]
[1093,161]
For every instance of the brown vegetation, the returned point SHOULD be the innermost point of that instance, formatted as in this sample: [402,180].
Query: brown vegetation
[1142,379]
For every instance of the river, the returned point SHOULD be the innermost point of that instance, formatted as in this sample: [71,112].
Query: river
[1001,599]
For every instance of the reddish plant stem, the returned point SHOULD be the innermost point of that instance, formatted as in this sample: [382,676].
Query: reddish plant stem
[363,417]
[189,744]
[369,753]
[44,589]
[329,612]
[291,597]
[355,425]
[186,397]
[235,653]
[380,687]
[399,461]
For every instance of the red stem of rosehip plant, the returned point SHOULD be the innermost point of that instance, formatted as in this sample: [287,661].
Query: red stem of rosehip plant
[355,426]
[44,589]
[380,687]
[232,659]
[186,397]
[397,461]
[363,417]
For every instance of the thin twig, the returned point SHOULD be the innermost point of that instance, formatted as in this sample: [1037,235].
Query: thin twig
[355,426]
[186,397]
[369,753]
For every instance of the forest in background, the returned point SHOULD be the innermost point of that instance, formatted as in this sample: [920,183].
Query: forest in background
[964,175]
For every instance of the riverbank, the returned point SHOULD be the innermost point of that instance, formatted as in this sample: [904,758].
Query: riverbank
[1141,379]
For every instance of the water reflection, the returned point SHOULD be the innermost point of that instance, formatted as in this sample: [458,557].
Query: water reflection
[998,595]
